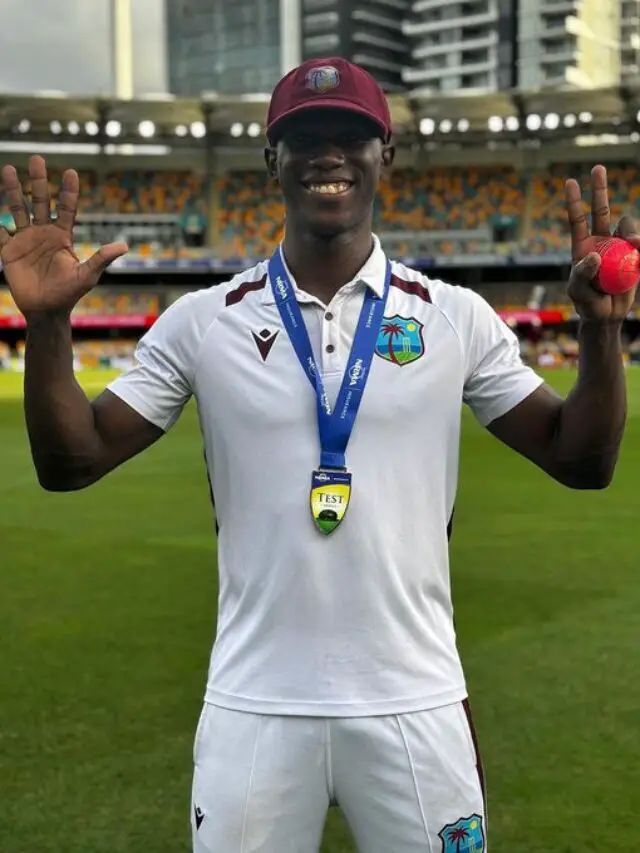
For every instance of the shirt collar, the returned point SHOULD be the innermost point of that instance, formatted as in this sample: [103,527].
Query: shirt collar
[371,274]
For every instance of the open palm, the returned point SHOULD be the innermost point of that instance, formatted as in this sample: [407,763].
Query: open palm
[40,267]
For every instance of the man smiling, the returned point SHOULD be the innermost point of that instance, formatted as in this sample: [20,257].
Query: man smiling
[329,383]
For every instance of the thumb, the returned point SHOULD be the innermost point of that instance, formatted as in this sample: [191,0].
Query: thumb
[587,268]
[91,269]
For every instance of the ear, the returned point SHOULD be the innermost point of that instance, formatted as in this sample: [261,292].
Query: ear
[271,159]
[387,155]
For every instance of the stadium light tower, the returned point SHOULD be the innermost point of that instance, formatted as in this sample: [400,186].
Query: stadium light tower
[122,49]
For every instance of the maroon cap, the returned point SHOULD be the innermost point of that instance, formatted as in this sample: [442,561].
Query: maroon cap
[331,83]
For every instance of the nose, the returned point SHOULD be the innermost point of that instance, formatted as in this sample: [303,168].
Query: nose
[327,155]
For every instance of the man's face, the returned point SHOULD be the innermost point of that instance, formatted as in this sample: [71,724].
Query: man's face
[328,164]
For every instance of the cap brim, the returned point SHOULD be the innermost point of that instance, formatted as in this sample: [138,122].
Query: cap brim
[325,104]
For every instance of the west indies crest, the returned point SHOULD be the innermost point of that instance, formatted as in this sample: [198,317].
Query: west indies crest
[400,339]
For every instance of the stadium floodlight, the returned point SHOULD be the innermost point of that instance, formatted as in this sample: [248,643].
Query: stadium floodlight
[585,117]
[92,128]
[198,129]
[446,126]
[570,120]
[73,128]
[512,123]
[552,121]
[24,126]
[463,125]
[113,128]
[182,130]
[146,129]
[427,126]
[495,124]
[236,129]
[253,129]
[55,127]
[534,122]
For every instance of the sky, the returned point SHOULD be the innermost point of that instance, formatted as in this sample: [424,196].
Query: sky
[64,45]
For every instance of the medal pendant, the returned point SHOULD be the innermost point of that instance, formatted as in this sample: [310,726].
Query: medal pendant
[330,493]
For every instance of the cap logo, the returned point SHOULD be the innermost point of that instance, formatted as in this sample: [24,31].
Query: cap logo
[322,79]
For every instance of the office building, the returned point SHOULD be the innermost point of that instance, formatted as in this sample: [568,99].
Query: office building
[237,46]
[569,43]
[630,39]
[367,32]
[461,45]
[232,47]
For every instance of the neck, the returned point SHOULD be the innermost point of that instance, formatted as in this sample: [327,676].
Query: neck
[321,266]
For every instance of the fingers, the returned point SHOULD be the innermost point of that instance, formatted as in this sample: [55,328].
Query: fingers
[627,230]
[68,200]
[16,201]
[90,271]
[39,191]
[578,220]
[600,213]
[4,236]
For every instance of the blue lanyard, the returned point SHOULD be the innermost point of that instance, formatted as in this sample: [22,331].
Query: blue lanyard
[335,426]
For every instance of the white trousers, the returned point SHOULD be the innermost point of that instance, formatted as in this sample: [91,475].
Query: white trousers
[409,783]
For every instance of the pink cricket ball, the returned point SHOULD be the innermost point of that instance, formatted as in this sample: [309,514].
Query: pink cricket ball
[619,265]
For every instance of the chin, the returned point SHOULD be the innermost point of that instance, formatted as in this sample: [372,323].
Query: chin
[329,226]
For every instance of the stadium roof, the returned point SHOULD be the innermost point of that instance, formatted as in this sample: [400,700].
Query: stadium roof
[215,118]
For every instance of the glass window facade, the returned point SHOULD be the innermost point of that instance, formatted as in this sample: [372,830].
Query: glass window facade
[228,46]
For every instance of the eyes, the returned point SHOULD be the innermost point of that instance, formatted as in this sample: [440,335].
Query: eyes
[350,140]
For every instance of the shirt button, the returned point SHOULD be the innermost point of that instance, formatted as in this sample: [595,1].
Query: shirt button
[328,316]
[330,348]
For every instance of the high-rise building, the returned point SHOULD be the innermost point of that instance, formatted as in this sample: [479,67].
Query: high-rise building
[230,46]
[461,45]
[569,43]
[367,32]
[630,39]
[237,46]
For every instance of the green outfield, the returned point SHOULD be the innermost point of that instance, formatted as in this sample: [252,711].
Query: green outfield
[107,608]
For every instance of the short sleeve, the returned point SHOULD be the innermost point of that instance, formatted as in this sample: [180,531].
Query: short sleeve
[496,378]
[159,385]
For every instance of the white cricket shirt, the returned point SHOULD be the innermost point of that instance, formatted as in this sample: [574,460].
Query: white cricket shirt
[359,622]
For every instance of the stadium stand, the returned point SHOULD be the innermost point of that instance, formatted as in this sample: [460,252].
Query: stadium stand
[449,211]
[454,212]
[132,192]
[548,227]
[101,304]
[444,203]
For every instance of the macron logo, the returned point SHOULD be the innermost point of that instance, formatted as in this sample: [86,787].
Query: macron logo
[356,372]
[264,340]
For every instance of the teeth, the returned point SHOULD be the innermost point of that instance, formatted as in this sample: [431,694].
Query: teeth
[330,189]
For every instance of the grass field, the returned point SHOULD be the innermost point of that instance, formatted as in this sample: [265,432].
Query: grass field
[107,609]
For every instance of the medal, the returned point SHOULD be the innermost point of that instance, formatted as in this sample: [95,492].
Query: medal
[331,482]
[330,493]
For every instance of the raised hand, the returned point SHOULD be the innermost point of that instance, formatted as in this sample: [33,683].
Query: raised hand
[40,267]
[590,302]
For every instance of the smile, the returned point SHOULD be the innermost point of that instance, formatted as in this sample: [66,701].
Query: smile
[329,187]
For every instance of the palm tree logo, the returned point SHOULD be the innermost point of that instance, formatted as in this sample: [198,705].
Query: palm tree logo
[457,836]
[464,836]
[400,340]
[392,331]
